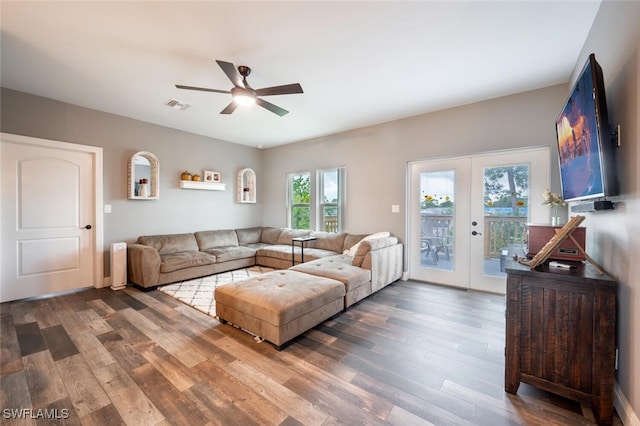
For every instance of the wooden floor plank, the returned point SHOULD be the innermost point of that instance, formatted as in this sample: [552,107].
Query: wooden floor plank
[82,387]
[292,403]
[10,357]
[58,342]
[131,402]
[43,380]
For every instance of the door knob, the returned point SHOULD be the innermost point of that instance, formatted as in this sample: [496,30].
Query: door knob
[87,227]
[475,233]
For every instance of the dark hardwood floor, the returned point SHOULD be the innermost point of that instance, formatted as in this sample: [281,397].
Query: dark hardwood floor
[410,354]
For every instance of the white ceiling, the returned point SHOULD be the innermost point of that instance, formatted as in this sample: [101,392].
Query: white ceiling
[359,62]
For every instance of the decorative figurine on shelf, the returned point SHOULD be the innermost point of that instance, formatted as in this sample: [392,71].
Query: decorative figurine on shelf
[246,196]
[185,175]
[143,191]
[555,201]
[195,178]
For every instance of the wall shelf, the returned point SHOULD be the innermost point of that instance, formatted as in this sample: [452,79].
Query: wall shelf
[207,186]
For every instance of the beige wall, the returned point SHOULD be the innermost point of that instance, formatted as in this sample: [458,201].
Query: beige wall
[376,157]
[177,210]
[613,235]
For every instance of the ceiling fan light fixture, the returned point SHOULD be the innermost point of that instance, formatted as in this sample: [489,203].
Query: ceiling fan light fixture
[244,100]
[243,97]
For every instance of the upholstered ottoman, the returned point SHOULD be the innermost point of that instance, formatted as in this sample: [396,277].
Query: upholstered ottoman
[279,305]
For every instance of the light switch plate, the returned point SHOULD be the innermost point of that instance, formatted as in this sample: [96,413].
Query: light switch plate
[107,208]
[395,208]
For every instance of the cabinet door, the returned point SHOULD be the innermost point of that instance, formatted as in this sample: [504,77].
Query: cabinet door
[557,330]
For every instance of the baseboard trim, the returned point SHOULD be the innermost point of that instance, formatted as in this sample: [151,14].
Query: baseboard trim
[623,408]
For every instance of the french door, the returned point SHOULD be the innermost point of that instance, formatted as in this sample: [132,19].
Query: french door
[467,214]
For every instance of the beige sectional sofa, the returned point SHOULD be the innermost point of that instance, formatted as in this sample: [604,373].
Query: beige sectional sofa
[334,271]
[161,259]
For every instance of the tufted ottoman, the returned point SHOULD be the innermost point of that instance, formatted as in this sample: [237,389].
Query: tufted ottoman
[279,305]
[356,280]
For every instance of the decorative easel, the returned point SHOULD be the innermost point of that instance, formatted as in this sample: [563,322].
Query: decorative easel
[561,235]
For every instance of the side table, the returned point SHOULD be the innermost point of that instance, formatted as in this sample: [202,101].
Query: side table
[303,242]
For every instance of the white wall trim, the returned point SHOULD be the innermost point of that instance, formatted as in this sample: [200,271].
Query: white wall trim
[624,409]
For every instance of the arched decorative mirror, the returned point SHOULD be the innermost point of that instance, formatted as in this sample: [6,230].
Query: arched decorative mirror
[143,176]
[246,186]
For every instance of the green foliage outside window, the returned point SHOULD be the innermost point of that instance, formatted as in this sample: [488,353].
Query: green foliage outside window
[301,194]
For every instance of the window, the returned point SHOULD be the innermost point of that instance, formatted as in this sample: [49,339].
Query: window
[318,201]
[299,200]
[330,199]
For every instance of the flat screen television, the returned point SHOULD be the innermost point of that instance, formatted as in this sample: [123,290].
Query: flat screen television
[585,146]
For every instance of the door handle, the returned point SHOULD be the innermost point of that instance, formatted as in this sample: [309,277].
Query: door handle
[87,227]
[475,233]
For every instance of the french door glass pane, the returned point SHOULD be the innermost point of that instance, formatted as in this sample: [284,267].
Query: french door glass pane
[437,226]
[506,213]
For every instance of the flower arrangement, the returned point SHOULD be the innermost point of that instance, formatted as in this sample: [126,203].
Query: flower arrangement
[554,200]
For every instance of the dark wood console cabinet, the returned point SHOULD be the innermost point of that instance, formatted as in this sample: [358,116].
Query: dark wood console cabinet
[560,333]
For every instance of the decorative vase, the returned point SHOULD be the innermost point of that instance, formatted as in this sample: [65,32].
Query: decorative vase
[185,175]
[555,217]
[195,178]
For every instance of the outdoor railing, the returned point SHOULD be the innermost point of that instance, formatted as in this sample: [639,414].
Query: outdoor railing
[499,231]
[331,223]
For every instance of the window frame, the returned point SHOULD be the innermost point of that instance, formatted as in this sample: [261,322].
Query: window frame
[316,205]
[340,204]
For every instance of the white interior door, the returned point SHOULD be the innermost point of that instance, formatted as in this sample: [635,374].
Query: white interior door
[49,218]
[465,211]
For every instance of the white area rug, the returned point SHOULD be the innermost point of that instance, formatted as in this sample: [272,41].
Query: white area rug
[200,293]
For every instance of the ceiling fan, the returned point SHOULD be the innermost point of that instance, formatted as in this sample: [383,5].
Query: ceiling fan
[243,94]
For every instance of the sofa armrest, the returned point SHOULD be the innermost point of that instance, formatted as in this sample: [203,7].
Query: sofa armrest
[144,264]
[385,263]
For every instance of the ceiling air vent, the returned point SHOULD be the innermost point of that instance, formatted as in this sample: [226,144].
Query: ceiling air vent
[177,105]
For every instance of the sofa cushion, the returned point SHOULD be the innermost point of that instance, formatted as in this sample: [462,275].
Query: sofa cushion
[186,259]
[328,241]
[249,235]
[225,254]
[170,243]
[337,267]
[314,253]
[216,238]
[278,251]
[270,235]
[287,234]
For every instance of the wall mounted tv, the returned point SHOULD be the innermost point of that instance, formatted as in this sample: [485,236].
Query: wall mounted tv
[585,146]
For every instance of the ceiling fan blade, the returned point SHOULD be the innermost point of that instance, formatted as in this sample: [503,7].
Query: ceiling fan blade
[229,108]
[202,89]
[230,70]
[287,89]
[271,107]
